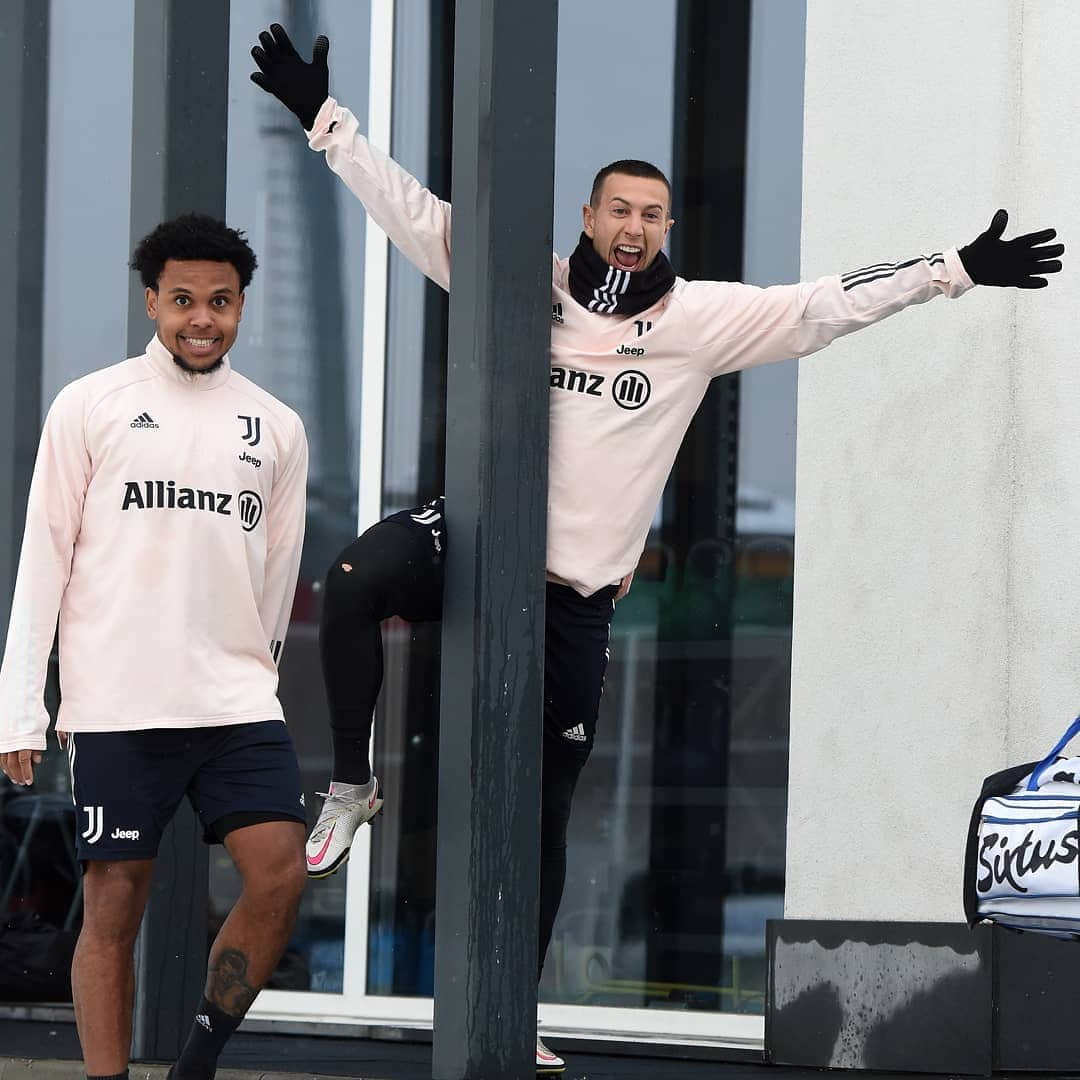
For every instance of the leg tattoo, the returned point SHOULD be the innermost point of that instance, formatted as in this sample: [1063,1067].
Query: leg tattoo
[227,986]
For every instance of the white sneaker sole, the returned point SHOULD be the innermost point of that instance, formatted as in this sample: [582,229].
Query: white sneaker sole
[552,1066]
[318,872]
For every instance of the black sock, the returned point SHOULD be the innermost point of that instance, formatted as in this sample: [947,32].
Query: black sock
[209,1034]
[351,765]
[114,1076]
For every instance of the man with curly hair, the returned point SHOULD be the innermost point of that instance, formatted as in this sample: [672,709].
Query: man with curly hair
[164,527]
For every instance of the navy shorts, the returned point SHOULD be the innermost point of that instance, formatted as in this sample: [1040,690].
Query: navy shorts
[128,784]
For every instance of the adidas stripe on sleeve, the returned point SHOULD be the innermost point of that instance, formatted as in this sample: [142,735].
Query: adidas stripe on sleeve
[739,326]
[285,539]
[879,271]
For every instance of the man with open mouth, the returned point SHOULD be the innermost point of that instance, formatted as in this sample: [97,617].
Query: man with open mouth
[633,349]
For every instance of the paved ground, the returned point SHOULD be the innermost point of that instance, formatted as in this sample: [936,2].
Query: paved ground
[31,1050]
[56,1052]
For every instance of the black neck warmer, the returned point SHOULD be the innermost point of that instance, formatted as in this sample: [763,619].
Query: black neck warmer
[600,287]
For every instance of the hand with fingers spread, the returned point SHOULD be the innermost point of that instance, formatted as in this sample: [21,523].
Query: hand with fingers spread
[18,765]
[1018,263]
[301,87]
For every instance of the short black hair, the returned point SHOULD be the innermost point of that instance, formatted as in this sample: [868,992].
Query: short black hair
[628,167]
[191,238]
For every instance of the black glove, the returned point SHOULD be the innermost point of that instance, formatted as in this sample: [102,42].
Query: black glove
[989,260]
[300,87]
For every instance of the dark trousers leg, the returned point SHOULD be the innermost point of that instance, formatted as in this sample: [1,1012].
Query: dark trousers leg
[561,768]
[576,635]
[389,570]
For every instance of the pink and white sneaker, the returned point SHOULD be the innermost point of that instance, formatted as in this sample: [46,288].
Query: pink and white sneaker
[547,1063]
[347,807]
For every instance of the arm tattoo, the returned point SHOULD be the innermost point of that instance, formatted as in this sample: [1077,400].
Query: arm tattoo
[227,986]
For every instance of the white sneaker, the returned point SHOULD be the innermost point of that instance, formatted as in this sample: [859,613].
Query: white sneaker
[547,1063]
[347,807]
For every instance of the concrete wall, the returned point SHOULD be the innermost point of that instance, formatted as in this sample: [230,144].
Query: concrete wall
[936,636]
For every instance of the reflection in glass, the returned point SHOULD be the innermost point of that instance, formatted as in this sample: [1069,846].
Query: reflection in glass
[40,886]
[401,929]
[84,327]
[677,839]
[301,340]
[88,190]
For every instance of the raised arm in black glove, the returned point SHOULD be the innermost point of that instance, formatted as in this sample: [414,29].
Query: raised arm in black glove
[299,86]
[989,260]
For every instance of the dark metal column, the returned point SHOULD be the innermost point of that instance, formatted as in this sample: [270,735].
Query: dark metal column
[496,484]
[24,75]
[179,131]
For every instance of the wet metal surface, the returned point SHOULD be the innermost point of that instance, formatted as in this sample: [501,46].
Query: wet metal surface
[873,995]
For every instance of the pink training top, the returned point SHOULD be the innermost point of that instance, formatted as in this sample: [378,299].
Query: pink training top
[624,388]
[164,525]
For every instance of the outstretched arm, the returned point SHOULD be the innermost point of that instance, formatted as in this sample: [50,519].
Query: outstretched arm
[738,326]
[416,221]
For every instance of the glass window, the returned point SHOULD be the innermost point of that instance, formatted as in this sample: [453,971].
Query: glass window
[677,840]
[401,918]
[88,165]
[88,190]
[301,339]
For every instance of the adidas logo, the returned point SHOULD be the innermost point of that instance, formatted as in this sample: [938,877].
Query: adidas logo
[203,1019]
[144,420]
[576,733]
[557,313]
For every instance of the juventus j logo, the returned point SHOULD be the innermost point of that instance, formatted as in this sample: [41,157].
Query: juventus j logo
[95,823]
[252,429]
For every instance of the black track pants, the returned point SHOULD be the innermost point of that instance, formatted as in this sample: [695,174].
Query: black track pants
[396,568]
[392,569]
